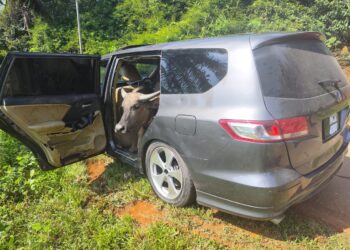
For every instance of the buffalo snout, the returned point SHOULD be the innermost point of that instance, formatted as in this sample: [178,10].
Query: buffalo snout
[120,128]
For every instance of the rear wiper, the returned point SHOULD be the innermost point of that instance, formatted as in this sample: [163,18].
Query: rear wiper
[338,96]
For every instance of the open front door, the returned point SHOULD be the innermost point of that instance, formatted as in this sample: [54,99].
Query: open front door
[51,103]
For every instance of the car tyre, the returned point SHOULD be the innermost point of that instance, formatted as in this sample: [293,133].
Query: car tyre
[169,175]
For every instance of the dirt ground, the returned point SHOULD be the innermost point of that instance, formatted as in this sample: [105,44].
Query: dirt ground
[143,212]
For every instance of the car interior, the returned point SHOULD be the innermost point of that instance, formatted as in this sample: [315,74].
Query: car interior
[142,73]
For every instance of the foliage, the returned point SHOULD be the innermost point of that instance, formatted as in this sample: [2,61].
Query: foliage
[335,16]
[50,25]
[14,25]
[281,16]
[20,177]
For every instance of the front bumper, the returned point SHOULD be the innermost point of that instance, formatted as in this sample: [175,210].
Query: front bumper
[276,196]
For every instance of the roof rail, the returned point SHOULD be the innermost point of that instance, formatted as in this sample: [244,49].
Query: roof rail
[133,46]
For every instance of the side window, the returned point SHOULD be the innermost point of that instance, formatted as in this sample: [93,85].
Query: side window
[138,71]
[190,71]
[37,76]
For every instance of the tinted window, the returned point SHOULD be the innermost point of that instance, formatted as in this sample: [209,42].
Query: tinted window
[296,68]
[51,76]
[192,70]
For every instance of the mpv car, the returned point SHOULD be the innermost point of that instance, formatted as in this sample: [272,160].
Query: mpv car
[247,124]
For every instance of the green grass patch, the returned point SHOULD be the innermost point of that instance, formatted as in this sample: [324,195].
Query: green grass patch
[74,215]
[69,212]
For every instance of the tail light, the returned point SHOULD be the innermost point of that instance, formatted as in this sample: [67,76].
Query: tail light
[266,131]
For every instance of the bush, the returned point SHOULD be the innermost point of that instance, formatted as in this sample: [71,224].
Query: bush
[266,16]
[20,176]
[335,16]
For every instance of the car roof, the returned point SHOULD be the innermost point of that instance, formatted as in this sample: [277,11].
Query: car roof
[256,40]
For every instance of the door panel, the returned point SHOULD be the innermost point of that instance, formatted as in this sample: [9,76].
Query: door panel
[67,127]
[61,130]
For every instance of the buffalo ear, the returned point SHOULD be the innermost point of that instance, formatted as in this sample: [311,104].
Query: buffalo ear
[123,92]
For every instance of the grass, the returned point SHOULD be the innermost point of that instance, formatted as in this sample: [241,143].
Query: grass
[76,214]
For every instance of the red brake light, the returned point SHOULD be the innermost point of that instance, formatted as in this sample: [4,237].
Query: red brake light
[266,131]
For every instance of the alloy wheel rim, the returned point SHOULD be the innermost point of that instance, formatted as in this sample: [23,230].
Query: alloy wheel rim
[166,173]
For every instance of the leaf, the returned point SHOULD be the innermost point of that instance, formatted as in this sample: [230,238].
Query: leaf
[36,226]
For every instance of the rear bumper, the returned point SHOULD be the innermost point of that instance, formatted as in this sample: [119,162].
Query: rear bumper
[274,192]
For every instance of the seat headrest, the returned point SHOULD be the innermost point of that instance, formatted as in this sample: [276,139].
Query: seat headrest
[129,72]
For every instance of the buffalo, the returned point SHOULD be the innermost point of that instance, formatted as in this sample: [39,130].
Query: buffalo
[138,110]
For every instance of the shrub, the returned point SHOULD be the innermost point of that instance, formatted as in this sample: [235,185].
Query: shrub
[20,175]
[335,16]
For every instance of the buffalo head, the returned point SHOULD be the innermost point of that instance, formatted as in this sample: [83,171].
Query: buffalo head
[136,110]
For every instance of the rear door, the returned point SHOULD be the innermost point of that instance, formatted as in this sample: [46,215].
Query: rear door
[51,103]
[300,77]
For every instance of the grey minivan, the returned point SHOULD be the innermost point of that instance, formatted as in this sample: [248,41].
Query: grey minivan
[247,124]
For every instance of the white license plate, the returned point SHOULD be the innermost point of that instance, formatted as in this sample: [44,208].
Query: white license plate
[333,124]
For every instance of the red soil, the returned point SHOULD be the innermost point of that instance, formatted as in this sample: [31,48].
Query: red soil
[95,169]
[143,212]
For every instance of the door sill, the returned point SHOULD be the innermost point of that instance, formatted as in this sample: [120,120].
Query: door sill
[126,156]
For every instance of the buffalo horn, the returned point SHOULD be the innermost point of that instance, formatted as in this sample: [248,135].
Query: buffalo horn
[145,98]
[123,92]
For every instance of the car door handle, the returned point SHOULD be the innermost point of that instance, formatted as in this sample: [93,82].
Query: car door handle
[87,105]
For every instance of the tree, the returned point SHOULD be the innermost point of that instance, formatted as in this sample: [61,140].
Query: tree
[15,20]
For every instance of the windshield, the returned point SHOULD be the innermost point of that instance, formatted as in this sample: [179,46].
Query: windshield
[297,69]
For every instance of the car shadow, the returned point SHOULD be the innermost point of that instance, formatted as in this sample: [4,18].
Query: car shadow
[106,176]
[300,222]
[294,227]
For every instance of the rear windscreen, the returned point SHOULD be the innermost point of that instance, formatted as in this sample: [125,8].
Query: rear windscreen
[296,69]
